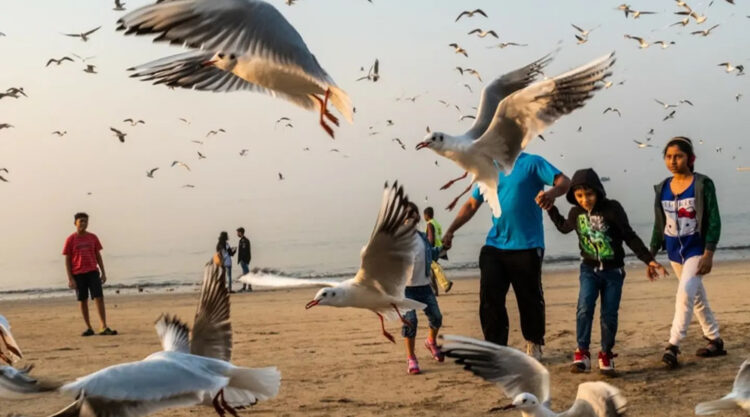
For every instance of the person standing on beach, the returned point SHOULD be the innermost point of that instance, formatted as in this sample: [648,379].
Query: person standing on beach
[226,252]
[514,248]
[688,225]
[85,270]
[418,288]
[602,227]
[243,256]
[434,233]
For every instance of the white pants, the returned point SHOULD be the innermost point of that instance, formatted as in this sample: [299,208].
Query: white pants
[691,297]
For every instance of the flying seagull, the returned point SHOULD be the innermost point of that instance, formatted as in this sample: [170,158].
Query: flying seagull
[482,33]
[669,116]
[641,42]
[386,263]
[120,135]
[58,61]
[238,45]
[215,132]
[503,45]
[612,109]
[642,145]
[91,69]
[150,173]
[468,13]
[134,122]
[664,44]
[373,74]
[738,398]
[729,67]
[182,164]
[527,382]
[119,6]
[704,32]
[83,35]
[512,111]
[201,156]
[59,133]
[401,144]
[458,49]
[5,126]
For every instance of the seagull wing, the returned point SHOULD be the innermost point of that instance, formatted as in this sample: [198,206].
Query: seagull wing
[514,371]
[388,257]
[577,28]
[494,92]
[91,31]
[98,406]
[117,132]
[597,399]
[17,384]
[173,333]
[212,330]
[741,385]
[242,26]
[480,11]
[464,13]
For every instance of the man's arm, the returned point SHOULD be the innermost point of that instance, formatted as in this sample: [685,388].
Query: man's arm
[546,199]
[69,270]
[431,234]
[464,215]
[101,266]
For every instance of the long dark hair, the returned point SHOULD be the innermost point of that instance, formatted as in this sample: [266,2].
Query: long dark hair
[222,244]
[685,145]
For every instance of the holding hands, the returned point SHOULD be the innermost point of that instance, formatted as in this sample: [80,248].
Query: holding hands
[654,270]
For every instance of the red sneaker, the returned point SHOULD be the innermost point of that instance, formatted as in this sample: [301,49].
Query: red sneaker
[607,363]
[581,361]
[413,366]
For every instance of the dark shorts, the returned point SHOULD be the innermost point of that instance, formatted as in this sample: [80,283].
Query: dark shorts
[88,282]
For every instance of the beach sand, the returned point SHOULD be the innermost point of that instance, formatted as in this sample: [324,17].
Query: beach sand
[334,362]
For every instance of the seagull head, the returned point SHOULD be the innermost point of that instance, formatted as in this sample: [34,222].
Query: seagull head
[329,296]
[523,401]
[223,60]
[436,141]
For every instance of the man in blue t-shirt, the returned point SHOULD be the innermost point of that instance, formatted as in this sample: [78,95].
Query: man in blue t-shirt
[513,251]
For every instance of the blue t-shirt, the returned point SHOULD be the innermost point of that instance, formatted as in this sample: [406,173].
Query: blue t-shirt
[520,226]
[681,234]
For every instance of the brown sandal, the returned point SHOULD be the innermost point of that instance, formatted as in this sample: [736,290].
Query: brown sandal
[713,348]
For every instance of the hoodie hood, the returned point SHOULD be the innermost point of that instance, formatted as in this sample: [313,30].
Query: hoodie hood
[590,179]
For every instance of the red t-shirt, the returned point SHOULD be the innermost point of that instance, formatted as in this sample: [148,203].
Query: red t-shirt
[83,250]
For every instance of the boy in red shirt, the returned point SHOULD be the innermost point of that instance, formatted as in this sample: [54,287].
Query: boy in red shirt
[83,263]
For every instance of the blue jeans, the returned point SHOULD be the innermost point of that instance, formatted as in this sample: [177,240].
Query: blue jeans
[228,271]
[608,283]
[423,294]
[245,270]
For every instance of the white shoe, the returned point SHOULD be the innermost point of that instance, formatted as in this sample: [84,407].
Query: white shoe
[534,350]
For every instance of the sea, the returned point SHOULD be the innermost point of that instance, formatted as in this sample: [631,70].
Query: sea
[312,256]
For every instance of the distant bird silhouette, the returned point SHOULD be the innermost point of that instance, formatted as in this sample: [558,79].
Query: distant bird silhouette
[201,156]
[59,61]
[59,133]
[373,74]
[134,122]
[83,35]
[150,173]
[458,49]
[401,144]
[704,32]
[612,109]
[91,69]
[281,177]
[482,33]
[182,164]
[119,6]
[468,13]
[243,152]
[215,132]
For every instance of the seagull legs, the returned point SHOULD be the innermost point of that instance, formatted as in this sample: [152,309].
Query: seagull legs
[449,183]
[221,406]
[385,333]
[226,406]
[217,407]
[325,113]
[452,205]
[403,320]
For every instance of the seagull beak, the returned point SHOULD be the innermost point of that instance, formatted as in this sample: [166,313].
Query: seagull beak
[311,304]
[421,145]
[208,63]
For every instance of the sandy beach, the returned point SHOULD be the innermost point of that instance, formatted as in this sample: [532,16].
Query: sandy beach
[334,362]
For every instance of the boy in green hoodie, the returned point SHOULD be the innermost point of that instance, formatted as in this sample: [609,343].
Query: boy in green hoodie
[602,227]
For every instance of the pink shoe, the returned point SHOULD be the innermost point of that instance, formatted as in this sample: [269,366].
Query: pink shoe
[434,350]
[413,366]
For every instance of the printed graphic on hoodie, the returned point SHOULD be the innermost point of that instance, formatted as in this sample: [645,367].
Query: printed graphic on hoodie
[593,237]
[680,217]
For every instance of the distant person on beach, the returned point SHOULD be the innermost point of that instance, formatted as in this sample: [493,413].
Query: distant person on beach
[602,227]
[226,252]
[688,225]
[85,269]
[514,249]
[434,235]
[418,288]
[243,256]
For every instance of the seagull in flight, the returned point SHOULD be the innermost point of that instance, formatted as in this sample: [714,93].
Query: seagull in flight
[482,33]
[584,32]
[150,173]
[704,32]
[119,6]
[503,45]
[527,382]
[59,133]
[468,13]
[729,67]
[58,61]
[5,126]
[282,119]
[201,156]
[373,74]
[91,69]
[236,45]
[690,13]
[467,70]
[192,368]
[83,35]
[243,152]
[513,109]
[281,177]
[664,44]
[184,120]
[120,135]
[612,109]
[387,261]
[182,164]
[641,42]
[669,116]
[665,105]
[642,145]
[458,49]
[215,132]
[134,122]
[401,144]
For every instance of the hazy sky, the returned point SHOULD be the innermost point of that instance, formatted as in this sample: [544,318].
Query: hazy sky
[328,202]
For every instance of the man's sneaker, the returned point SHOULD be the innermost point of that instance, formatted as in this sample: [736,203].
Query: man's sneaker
[434,350]
[413,366]
[670,356]
[534,350]
[713,348]
[607,363]
[581,361]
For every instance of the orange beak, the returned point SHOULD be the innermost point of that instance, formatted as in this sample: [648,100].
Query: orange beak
[311,304]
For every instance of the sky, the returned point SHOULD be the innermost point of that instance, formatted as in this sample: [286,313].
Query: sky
[323,212]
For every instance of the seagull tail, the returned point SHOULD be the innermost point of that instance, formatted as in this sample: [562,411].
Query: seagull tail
[712,407]
[248,386]
[342,103]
